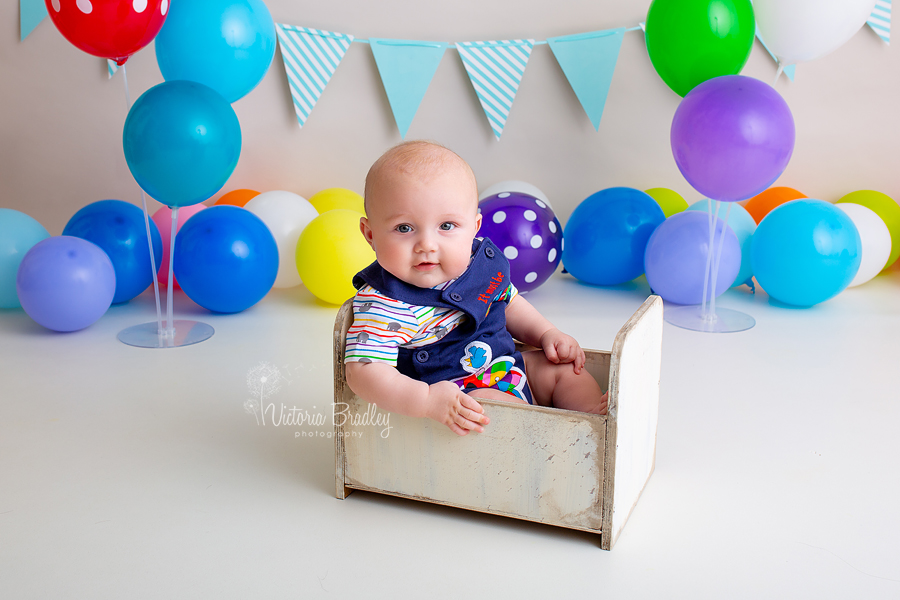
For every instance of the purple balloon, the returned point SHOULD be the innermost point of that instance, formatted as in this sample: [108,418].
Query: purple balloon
[732,137]
[529,234]
[65,283]
[675,258]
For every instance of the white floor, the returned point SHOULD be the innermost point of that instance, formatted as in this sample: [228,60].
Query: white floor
[130,473]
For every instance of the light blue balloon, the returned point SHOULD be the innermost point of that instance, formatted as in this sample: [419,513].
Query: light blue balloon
[744,227]
[18,234]
[805,252]
[226,45]
[182,141]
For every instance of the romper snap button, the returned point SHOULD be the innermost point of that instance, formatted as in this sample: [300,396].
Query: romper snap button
[422,356]
[489,252]
[456,297]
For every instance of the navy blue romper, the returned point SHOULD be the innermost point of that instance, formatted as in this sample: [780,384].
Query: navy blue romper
[479,352]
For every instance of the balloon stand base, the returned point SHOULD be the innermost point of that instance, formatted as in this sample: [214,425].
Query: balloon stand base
[147,335]
[722,320]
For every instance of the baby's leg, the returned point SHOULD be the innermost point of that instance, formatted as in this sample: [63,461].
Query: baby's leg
[558,385]
[492,394]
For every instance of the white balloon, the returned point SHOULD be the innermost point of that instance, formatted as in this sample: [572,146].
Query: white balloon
[875,238]
[286,215]
[512,185]
[801,30]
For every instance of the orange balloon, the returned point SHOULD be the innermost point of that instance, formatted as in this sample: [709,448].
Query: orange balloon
[237,197]
[762,204]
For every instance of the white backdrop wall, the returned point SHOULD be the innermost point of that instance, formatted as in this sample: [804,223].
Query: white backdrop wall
[61,120]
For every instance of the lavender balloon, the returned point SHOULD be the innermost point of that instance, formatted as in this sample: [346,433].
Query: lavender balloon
[675,258]
[732,137]
[66,283]
[529,234]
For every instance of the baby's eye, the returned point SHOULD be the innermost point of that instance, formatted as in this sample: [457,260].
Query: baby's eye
[403,228]
[447,226]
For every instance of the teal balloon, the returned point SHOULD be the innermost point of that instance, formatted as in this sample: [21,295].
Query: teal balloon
[182,141]
[805,252]
[18,234]
[226,45]
[743,225]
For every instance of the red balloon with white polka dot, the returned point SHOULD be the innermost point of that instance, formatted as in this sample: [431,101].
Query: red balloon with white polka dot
[527,231]
[113,29]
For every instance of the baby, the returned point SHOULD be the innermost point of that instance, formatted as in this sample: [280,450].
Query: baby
[435,315]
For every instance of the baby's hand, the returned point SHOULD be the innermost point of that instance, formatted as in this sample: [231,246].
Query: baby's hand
[458,411]
[562,348]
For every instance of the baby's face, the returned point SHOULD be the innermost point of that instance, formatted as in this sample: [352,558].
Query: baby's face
[422,230]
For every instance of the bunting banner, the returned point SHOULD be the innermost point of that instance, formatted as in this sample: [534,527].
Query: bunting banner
[880,20]
[406,68]
[310,58]
[31,13]
[495,69]
[588,61]
[789,70]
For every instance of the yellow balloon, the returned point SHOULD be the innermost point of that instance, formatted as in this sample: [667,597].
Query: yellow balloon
[337,198]
[330,251]
[669,201]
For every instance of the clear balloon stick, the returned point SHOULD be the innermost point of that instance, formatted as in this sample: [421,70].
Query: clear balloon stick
[715,273]
[703,308]
[170,324]
[159,329]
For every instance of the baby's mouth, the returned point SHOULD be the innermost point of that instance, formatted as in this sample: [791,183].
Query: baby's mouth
[426,266]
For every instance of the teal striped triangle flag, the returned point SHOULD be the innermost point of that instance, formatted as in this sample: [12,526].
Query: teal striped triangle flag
[495,69]
[789,69]
[310,58]
[111,67]
[406,68]
[588,61]
[880,20]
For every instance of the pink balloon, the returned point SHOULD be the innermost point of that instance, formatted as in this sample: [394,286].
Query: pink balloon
[163,220]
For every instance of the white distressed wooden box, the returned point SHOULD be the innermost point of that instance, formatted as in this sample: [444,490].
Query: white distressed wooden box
[548,465]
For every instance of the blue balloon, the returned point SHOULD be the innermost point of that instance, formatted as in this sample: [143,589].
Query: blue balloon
[606,236]
[677,253]
[66,283]
[805,252]
[227,45]
[182,141]
[18,234]
[226,259]
[743,225]
[119,229]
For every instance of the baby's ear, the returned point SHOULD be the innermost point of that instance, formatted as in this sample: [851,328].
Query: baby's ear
[477,221]
[366,230]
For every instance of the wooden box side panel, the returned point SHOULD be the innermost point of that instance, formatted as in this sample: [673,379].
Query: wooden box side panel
[533,463]
[342,323]
[633,413]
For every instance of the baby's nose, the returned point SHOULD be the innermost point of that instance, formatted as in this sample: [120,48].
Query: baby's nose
[426,243]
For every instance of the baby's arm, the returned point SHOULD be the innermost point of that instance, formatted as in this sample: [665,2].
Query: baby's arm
[526,324]
[389,389]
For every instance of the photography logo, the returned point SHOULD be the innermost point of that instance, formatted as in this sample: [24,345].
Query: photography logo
[265,380]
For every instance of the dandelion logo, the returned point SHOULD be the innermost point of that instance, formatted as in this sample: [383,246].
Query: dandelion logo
[263,381]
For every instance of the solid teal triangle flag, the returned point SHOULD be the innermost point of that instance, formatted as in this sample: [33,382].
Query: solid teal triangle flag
[406,68]
[31,13]
[588,61]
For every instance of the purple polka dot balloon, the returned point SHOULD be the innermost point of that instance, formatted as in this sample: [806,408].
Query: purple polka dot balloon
[527,232]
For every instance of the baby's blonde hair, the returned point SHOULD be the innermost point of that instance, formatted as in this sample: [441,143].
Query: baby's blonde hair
[417,158]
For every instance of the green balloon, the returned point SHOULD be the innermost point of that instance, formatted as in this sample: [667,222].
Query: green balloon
[885,207]
[690,41]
